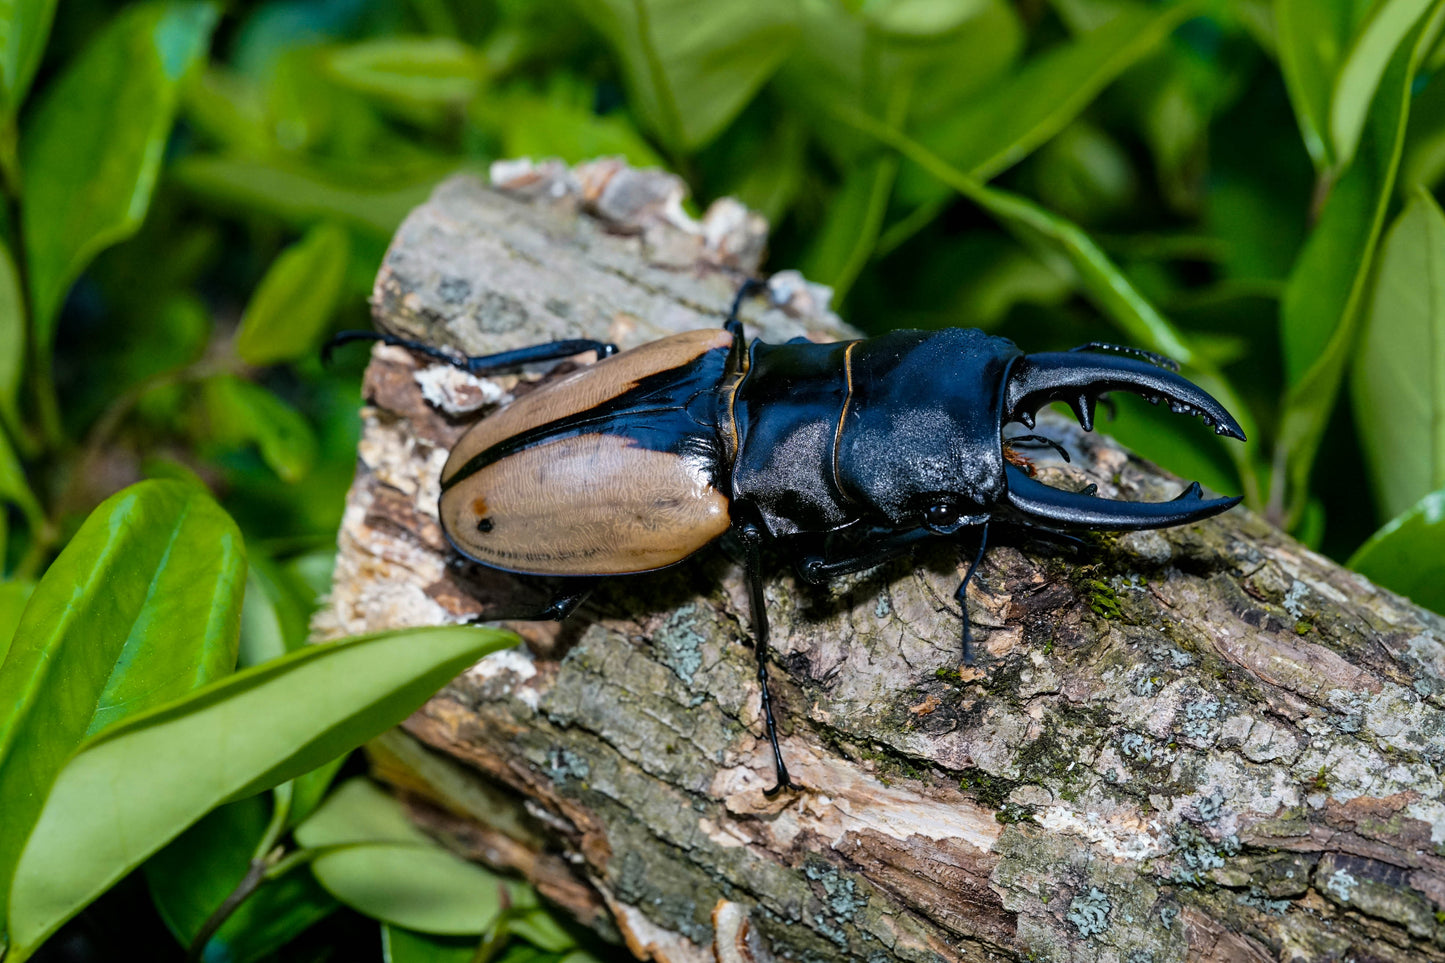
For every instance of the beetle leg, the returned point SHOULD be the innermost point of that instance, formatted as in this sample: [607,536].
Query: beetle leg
[750,536]
[482,363]
[880,546]
[962,594]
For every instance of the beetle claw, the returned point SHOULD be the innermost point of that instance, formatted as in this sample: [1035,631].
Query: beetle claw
[1079,378]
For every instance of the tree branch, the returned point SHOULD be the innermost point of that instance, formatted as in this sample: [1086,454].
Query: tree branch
[1205,743]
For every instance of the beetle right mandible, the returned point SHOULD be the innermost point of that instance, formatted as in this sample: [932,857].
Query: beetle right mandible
[843,455]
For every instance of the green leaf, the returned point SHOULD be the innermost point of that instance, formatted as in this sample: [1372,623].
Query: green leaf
[1321,304]
[240,412]
[849,234]
[1000,126]
[301,195]
[1359,76]
[193,875]
[288,313]
[92,149]
[141,607]
[24,25]
[407,946]
[1313,39]
[920,19]
[562,123]
[13,596]
[1399,369]
[14,489]
[421,70]
[692,65]
[137,786]
[12,338]
[379,864]
[1407,555]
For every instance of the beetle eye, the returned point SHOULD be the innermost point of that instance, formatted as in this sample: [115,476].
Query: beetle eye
[942,517]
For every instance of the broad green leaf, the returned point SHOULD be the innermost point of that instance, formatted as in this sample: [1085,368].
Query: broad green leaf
[1002,125]
[288,313]
[920,19]
[24,25]
[691,65]
[301,195]
[378,863]
[140,608]
[272,624]
[1407,555]
[139,785]
[15,489]
[193,875]
[1359,75]
[240,412]
[92,148]
[1321,304]
[12,338]
[562,123]
[1398,380]
[400,945]
[850,230]
[13,596]
[1313,41]
[424,70]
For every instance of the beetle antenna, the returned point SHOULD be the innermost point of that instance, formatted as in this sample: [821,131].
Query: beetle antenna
[1103,347]
[962,595]
[749,287]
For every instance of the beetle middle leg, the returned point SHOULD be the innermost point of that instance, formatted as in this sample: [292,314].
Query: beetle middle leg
[750,536]
[565,600]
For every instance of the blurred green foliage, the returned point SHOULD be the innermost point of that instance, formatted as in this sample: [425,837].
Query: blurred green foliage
[194,196]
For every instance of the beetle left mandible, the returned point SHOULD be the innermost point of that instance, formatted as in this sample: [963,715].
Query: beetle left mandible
[843,455]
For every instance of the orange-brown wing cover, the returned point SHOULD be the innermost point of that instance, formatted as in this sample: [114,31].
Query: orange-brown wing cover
[583,504]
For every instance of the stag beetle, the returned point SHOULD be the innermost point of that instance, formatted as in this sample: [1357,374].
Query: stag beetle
[843,454]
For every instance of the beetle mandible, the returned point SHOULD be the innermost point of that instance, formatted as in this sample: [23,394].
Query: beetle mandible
[843,454]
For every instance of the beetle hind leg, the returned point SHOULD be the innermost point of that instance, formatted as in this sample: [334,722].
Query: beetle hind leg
[482,363]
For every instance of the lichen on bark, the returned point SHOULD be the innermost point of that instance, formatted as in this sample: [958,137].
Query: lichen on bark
[1199,743]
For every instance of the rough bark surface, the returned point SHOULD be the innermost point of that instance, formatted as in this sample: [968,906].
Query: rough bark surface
[1206,743]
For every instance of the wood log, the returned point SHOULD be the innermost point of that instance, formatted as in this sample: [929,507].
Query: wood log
[1204,743]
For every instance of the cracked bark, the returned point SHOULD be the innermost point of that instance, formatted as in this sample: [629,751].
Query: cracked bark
[1205,743]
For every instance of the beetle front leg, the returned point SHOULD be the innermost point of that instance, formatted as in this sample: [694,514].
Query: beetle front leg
[750,536]
[962,595]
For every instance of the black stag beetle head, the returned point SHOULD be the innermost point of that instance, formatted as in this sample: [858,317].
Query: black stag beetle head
[922,439]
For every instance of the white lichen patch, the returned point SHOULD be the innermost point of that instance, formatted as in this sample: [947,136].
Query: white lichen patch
[1340,885]
[856,802]
[1430,811]
[457,393]
[516,662]
[1120,836]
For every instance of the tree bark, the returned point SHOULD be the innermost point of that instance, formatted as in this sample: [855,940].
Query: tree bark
[1204,743]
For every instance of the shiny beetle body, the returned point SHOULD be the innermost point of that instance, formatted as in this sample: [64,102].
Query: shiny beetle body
[842,455]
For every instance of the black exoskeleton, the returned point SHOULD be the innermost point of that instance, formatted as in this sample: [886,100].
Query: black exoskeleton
[842,455]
